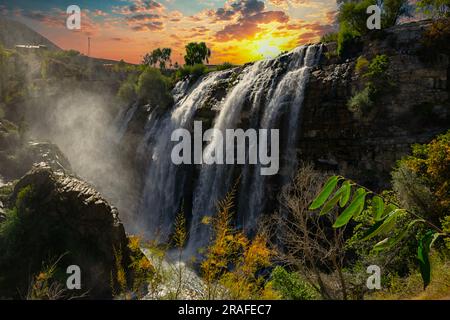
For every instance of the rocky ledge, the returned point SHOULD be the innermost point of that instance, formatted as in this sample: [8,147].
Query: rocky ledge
[52,216]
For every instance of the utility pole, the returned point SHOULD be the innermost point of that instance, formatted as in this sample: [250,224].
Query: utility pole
[89,46]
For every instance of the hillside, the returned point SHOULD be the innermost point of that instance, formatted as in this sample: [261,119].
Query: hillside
[13,33]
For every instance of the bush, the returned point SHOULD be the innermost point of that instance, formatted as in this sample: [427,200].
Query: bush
[376,81]
[346,37]
[435,40]
[224,66]
[421,180]
[153,88]
[362,101]
[291,285]
[127,90]
[195,72]
[329,37]
[361,65]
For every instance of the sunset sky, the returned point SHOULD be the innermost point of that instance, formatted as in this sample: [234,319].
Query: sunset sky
[237,31]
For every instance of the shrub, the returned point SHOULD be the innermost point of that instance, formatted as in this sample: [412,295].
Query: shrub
[329,37]
[421,180]
[224,66]
[362,101]
[291,285]
[435,40]
[233,262]
[376,82]
[195,72]
[361,65]
[127,90]
[153,88]
[346,37]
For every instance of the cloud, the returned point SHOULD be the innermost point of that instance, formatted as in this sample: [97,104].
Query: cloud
[151,26]
[139,6]
[249,14]
[143,17]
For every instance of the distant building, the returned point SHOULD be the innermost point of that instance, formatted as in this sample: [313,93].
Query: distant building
[30,46]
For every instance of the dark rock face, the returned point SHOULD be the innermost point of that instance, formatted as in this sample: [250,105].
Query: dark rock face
[63,216]
[367,146]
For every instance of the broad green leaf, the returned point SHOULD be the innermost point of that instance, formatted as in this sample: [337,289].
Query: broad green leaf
[333,201]
[423,251]
[355,208]
[390,242]
[387,224]
[388,209]
[347,189]
[377,207]
[326,192]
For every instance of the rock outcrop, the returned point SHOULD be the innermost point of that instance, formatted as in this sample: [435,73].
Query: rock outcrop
[60,217]
[367,146]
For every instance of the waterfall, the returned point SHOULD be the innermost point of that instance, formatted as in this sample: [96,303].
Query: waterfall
[268,94]
[289,95]
[216,180]
[164,181]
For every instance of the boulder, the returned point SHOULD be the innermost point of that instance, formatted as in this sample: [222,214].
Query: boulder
[64,219]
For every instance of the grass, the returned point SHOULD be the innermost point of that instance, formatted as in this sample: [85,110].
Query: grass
[411,287]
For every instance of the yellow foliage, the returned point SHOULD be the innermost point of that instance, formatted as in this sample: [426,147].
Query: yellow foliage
[232,260]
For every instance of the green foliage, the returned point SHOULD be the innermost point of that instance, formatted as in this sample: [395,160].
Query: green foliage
[329,37]
[352,18]
[154,88]
[435,8]
[158,57]
[386,216]
[362,101]
[291,285]
[195,71]
[376,81]
[197,53]
[127,90]
[435,40]
[346,38]
[422,179]
[224,66]
[361,65]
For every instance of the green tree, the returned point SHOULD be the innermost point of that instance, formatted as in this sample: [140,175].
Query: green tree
[158,57]
[197,53]
[154,88]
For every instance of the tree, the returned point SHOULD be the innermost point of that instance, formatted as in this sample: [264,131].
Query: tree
[197,53]
[386,215]
[436,8]
[153,88]
[306,241]
[158,56]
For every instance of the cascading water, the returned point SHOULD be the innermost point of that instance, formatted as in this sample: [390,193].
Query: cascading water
[164,181]
[288,95]
[270,93]
[216,180]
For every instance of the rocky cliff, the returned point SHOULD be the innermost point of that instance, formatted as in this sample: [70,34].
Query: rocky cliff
[414,110]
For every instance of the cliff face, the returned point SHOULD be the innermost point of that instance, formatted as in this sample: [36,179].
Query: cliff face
[415,109]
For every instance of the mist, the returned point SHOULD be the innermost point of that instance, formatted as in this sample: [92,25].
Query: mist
[81,123]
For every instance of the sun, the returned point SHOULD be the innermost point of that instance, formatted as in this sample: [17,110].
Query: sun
[267,48]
